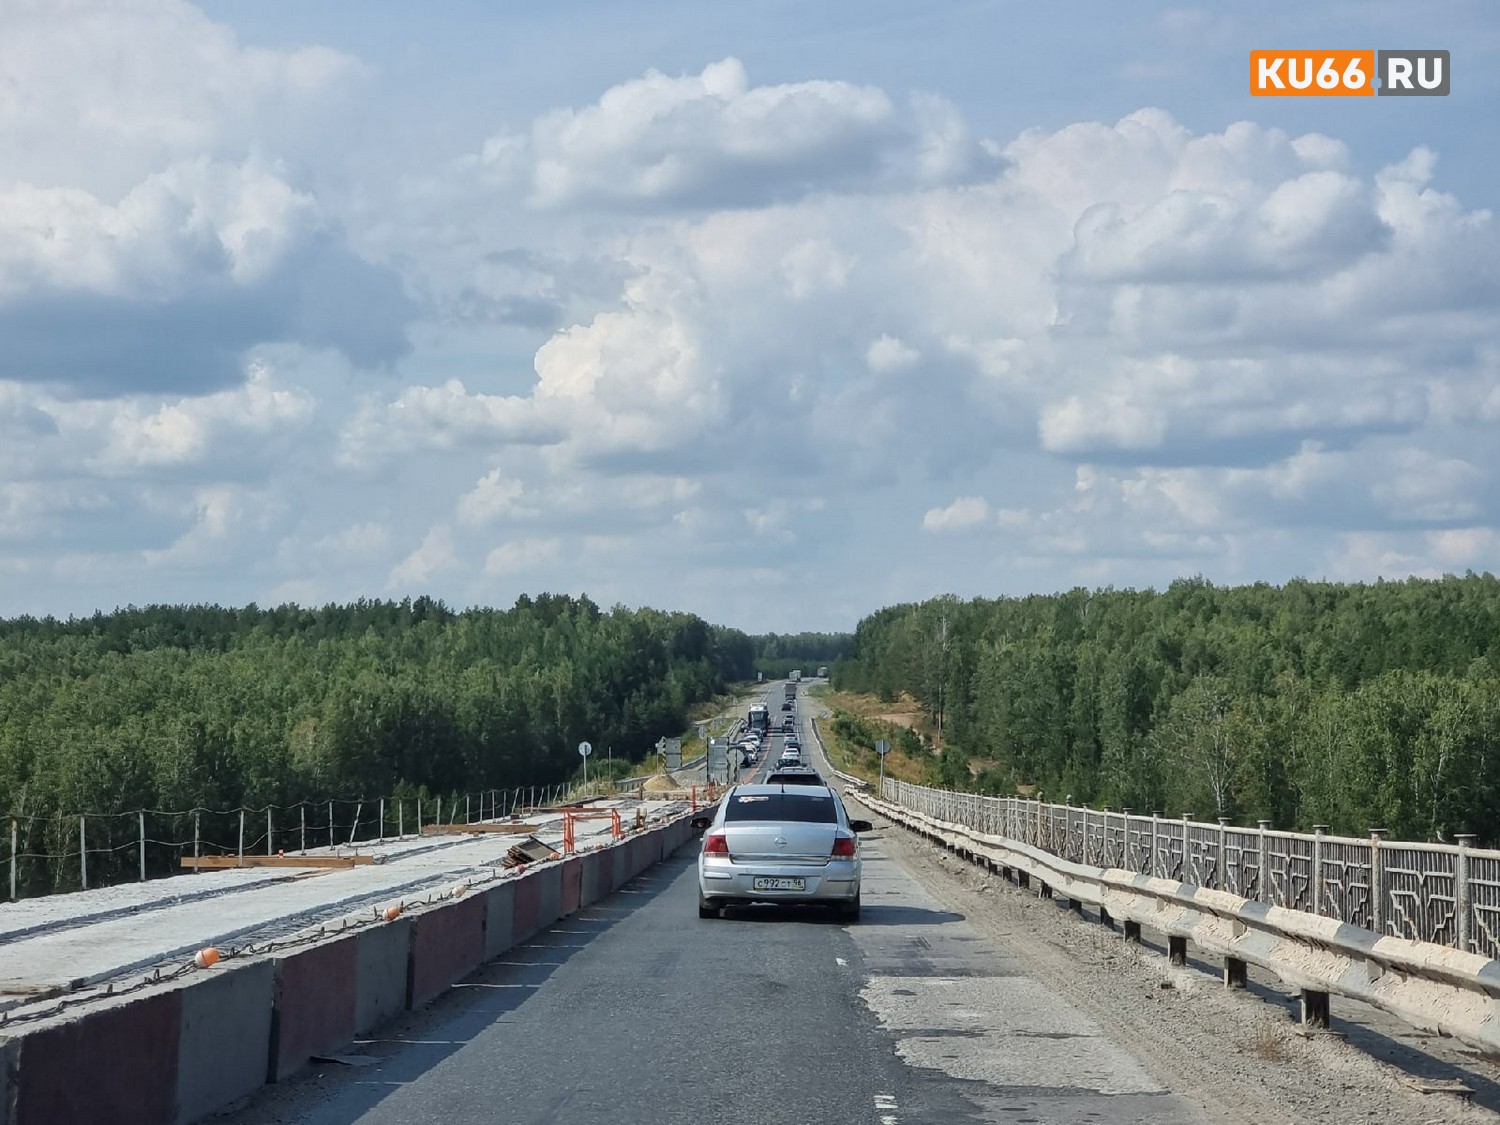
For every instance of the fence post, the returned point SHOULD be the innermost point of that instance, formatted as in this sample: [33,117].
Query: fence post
[1377,881]
[142,816]
[1263,880]
[1187,867]
[353,832]
[419,816]
[1461,893]
[381,836]
[330,825]
[15,847]
[400,817]
[468,810]
[1087,839]
[1221,866]
[270,832]
[242,837]
[1155,821]
[302,811]
[83,855]
[197,840]
[439,819]
[1317,888]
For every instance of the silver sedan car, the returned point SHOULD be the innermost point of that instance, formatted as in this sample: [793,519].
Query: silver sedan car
[779,843]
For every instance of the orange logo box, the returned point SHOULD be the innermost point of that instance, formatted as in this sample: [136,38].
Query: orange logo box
[1312,74]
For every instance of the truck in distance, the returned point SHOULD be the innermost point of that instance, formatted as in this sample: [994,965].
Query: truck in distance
[759,718]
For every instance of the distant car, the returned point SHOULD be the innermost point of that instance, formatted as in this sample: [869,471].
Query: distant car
[788,760]
[794,775]
[789,724]
[779,844]
[787,706]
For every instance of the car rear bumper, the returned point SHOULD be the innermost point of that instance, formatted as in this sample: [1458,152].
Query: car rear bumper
[737,882]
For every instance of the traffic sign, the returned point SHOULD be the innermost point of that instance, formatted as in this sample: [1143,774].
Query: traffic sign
[883,747]
[584,749]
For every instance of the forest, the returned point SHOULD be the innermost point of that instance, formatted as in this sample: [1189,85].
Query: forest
[183,707]
[1348,705]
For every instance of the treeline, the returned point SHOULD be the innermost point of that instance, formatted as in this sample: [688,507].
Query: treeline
[175,707]
[1355,706]
[777,655]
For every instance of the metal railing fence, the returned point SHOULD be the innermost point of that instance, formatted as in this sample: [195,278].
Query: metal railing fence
[48,854]
[1448,894]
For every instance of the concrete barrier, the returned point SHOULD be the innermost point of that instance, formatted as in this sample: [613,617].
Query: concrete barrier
[499,919]
[549,891]
[526,915]
[382,962]
[597,868]
[114,1063]
[447,945]
[10,1050]
[314,1004]
[571,896]
[223,1051]
[620,859]
[191,1048]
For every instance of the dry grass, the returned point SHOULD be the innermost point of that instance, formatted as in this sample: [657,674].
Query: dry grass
[862,762]
[1268,1043]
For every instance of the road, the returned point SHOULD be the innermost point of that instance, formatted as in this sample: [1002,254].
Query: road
[635,1010]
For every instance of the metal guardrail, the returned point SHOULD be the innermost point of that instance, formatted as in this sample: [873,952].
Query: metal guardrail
[1446,894]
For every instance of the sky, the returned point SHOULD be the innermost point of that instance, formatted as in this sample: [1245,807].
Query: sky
[776,313]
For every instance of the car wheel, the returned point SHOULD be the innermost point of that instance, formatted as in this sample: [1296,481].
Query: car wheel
[849,911]
[707,909]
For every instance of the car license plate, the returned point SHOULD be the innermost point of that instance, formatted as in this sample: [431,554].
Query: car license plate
[768,884]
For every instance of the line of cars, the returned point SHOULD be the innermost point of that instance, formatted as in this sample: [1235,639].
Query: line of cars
[786,840]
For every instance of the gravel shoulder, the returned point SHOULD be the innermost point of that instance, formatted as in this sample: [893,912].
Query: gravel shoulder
[1239,1055]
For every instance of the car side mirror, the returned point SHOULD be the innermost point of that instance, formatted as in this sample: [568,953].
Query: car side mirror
[701,823]
[861,826]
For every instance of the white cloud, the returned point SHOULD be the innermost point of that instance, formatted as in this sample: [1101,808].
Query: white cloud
[965,512]
[437,553]
[888,353]
[492,497]
[521,556]
[713,138]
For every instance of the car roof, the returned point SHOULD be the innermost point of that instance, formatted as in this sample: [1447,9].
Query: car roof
[763,789]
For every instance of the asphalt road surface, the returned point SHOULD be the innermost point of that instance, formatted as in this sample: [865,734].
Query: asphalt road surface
[635,1010]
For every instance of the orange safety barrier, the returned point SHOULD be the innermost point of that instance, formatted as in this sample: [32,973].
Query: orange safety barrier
[571,815]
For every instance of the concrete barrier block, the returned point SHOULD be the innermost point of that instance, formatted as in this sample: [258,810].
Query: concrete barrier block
[10,1050]
[572,886]
[597,868]
[116,1063]
[526,916]
[225,1040]
[499,920]
[549,888]
[447,945]
[315,1004]
[382,961]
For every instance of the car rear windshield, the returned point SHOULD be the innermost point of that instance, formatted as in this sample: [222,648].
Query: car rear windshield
[812,808]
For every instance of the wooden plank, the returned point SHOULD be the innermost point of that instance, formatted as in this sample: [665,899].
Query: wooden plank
[221,862]
[505,828]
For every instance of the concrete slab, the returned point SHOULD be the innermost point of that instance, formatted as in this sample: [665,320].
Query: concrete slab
[115,1063]
[315,1004]
[225,1037]
[382,962]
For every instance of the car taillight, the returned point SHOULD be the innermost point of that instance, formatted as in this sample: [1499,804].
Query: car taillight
[844,847]
[716,844]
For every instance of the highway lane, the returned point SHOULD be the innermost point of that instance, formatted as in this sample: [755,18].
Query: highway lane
[635,1010]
